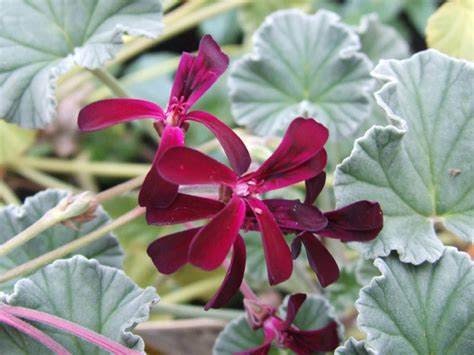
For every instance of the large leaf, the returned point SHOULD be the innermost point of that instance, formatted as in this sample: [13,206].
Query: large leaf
[302,65]
[450,29]
[426,309]
[41,40]
[420,168]
[15,219]
[13,142]
[354,347]
[98,297]
[237,335]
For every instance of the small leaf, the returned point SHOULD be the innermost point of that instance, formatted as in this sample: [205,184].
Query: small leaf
[450,29]
[381,41]
[354,347]
[426,309]
[237,335]
[43,39]
[419,169]
[15,219]
[14,141]
[98,297]
[302,65]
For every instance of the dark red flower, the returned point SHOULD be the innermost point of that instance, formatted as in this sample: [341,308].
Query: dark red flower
[300,156]
[283,334]
[195,75]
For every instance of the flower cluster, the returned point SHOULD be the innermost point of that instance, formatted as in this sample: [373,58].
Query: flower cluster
[239,204]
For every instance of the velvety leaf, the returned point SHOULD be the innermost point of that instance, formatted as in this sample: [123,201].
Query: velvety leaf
[365,271]
[354,347]
[419,168]
[43,39]
[450,29]
[425,309]
[290,73]
[343,293]
[380,41]
[419,11]
[13,141]
[223,28]
[386,10]
[98,297]
[15,219]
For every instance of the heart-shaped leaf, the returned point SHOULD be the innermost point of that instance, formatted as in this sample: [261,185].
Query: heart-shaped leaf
[315,313]
[13,141]
[15,219]
[306,65]
[450,29]
[98,297]
[354,347]
[425,309]
[43,39]
[420,168]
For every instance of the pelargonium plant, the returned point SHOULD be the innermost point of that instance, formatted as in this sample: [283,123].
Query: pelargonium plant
[299,171]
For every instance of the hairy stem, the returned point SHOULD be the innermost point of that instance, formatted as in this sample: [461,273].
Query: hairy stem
[193,290]
[186,311]
[43,179]
[7,194]
[110,81]
[120,189]
[71,247]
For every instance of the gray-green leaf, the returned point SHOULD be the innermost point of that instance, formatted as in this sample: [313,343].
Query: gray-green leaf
[420,168]
[302,65]
[43,39]
[425,309]
[15,219]
[98,297]
[354,347]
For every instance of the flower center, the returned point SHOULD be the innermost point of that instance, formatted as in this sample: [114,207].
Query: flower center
[176,111]
[246,188]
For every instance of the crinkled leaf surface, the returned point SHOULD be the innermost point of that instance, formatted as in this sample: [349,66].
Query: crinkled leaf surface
[450,29]
[302,65]
[315,313]
[354,347]
[15,219]
[381,41]
[42,39]
[420,168]
[13,141]
[425,309]
[98,297]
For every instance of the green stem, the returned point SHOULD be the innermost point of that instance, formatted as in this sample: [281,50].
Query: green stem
[120,189]
[186,311]
[193,290]
[43,179]
[110,81]
[71,247]
[7,194]
[125,170]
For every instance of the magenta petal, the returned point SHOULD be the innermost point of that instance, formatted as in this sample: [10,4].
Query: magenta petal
[294,303]
[186,166]
[211,245]
[196,74]
[310,341]
[233,146]
[277,253]
[233,277]
[303,139]
[360,221]
[319,259]
[314,186]
[304,171]
[170,252]
[292,215]
[156,191]
[105,113]
[185,208]
[259,350]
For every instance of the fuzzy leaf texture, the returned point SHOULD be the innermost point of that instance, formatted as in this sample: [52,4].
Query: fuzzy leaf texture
[43,39]
[14,219]
[419,168]
[98,297]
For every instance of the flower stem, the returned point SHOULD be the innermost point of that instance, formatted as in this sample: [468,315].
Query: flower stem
[43,179]
[120,189]
[72,328]
[193,290]
[186,311]
[110,81]
[95,168]
[70,247]
[7,194]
